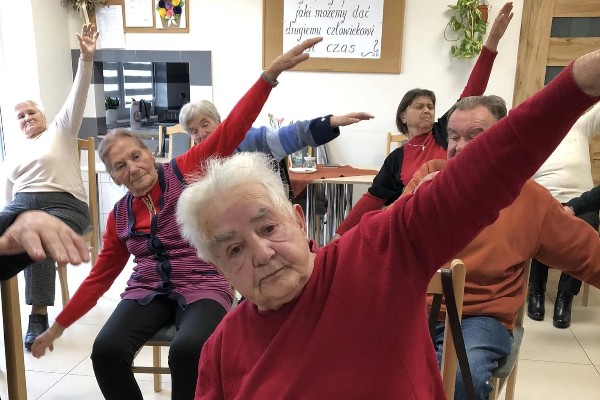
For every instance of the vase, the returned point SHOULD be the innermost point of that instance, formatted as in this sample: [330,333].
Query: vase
[111,116]
[483,9]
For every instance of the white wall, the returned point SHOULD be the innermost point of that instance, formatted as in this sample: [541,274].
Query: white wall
[232,30]
[36,59]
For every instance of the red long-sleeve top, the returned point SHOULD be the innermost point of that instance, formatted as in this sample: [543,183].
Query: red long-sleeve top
[114,255]
[358,329]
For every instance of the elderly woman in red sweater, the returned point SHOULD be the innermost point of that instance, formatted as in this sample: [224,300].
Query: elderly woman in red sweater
[348,320]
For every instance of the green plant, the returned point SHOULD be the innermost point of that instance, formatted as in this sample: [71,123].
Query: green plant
[469,25]
[111,103]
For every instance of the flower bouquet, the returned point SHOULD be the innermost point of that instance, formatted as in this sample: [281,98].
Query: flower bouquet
[170,12]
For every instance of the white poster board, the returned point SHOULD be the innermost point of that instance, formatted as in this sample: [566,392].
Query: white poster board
[350,28]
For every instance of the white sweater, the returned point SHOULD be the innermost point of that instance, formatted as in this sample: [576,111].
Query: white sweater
[49,162]
[567,173]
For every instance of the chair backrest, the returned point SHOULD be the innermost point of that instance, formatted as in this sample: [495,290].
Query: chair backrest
[179,140]
[91,235]
[399,138]
[89,144]
[449,357]
[505,374]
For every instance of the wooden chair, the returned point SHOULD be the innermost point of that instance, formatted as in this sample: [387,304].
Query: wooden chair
[399,138]
[92,235]
[449,355]
[163,338]
[594,148]
[179,140]
[506,373]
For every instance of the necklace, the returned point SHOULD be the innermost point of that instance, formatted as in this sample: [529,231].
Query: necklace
[149,204]
[422,146]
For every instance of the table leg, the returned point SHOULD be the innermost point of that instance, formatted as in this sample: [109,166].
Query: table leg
[311,223]
[13,340]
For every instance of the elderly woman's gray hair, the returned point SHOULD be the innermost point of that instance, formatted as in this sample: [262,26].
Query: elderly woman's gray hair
[36,104]
[190,110]
[110,139]
[221,177]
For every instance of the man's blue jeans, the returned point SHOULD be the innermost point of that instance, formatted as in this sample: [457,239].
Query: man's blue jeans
[486,341]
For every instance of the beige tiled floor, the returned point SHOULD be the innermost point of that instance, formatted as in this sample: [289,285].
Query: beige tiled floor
[554,363]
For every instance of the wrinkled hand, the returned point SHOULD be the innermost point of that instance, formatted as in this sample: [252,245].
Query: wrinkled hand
[46,340]
[499,26]
[586,72]
[569,210]
[290,58]
[426,178]
[348,119]
[40,234]
[87,41]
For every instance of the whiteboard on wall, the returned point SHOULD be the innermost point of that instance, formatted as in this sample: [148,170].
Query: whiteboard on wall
[359,35]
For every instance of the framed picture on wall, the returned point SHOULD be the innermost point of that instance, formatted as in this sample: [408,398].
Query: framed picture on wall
[171,15]
[154,16]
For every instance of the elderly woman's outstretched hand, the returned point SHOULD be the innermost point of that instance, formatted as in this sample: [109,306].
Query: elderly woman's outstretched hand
[290,59]
[87,41]
[499,26]
[348,119]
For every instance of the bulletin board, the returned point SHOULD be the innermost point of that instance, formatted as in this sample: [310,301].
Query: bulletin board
[157,26]
[391,42]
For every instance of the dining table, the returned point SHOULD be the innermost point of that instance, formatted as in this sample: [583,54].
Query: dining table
[333,185]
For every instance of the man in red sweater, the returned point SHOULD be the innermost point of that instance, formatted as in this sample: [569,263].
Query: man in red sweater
[348,321]
[534,225]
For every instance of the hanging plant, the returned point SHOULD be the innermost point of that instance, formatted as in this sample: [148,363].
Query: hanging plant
[89,4]
[469,25]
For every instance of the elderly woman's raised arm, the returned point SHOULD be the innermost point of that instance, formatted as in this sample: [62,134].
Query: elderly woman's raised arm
[230,133]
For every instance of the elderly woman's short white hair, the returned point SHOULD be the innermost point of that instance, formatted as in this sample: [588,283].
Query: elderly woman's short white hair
[190,110]
[221,177]
[36,103]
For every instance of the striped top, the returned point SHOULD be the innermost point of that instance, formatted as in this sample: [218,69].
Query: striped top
[115,254]
[165,263]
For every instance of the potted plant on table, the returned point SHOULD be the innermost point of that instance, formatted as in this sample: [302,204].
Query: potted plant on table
[469,23]
[111,104]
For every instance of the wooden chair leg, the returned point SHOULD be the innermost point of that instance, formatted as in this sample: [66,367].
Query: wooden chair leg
[511,382]
[13,340]
[64,284]
[585,294]
[156,362]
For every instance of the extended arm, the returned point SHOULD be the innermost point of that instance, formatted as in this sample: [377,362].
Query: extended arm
[588,201]
[40,235]
[480,74]
[71,114]
[230,133]
[569,244]
[442,217]
[111,261]
[298,135]
[509,153]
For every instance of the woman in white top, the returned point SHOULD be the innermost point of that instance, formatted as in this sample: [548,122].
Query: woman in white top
[46,176]
[566,174]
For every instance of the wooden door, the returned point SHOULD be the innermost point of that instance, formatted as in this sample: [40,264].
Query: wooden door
[542,54]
